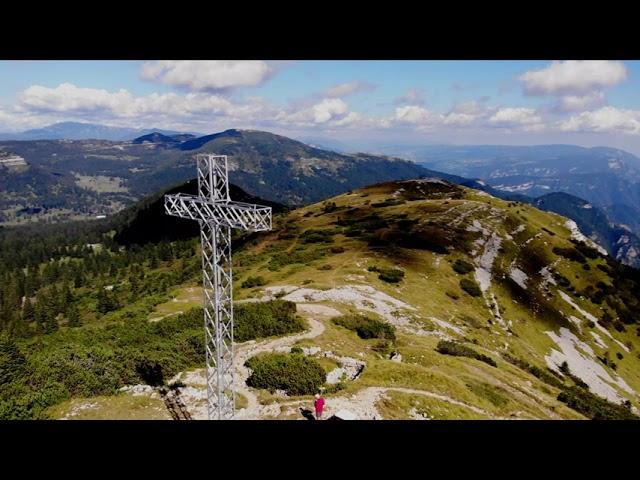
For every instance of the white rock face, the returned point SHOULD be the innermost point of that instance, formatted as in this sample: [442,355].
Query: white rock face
[547,277]
[583,364]
[576,234]
[588,316]
[447,326]
[363,297]
[519,277]
[485,262]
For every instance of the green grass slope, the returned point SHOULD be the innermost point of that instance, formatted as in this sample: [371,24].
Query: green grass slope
[458,304]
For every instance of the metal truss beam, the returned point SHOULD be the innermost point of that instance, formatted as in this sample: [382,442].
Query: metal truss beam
[217,215]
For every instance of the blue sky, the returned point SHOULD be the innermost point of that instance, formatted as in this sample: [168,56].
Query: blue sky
[483,102]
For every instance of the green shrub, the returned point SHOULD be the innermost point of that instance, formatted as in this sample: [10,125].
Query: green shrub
[447,347]
[366,327]
[317,236]
[253,282]
[265,319]
[300,255]
[389,275]
[452,295]
[462,267]
[89,361]
[570,253]
[328,207]
[471,287]
[537,372]
[295,374]
[593,406]
[336,249]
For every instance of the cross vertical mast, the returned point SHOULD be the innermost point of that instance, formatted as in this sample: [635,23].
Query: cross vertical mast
[217,214]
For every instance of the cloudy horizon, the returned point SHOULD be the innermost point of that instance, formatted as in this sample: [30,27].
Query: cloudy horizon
[588,103]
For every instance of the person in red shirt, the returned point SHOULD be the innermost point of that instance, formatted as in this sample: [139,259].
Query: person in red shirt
[319,405]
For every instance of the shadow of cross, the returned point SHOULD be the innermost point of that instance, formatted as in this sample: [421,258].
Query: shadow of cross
[217,214]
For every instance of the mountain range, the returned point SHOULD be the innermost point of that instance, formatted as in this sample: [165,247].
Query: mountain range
[83,131]
[607,178]
[73,179]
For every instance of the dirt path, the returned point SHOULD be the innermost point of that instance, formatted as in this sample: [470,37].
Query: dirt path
[362,403]
[254,410]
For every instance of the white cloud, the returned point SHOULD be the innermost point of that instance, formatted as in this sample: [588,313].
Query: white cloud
[328,109]
[416,115]
[319,113]
[465,114]
[203,75]
[573,77]
[14,120]
[345,89]
[572,103]
[66,97]
[605,119]
[525,118]
[69,98]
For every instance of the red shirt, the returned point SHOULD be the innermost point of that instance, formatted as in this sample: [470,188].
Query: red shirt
[319,404]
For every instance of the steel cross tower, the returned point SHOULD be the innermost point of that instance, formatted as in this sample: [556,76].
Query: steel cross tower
[217,215]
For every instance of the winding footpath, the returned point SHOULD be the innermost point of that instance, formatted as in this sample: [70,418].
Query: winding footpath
[362,403]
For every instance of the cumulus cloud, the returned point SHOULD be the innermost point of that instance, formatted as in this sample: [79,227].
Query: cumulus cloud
[349,88]
[572,103]
[465,113]
[207,75]
[70,101]
[67,96]
[329,108]
[573,77]
[509,117]
[605,119]
[414,114]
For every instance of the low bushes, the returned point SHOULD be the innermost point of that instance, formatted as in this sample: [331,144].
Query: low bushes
[299,255]
[366,327]
[471,287]
[253,282]
[317,236]
[389,275]
[84,362]
[293,373]
[265,319]
[570,253]
[545,376]
[458,350]
[462,267]
[594,407]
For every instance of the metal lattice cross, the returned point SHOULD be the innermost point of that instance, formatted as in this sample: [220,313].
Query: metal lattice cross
[217,215]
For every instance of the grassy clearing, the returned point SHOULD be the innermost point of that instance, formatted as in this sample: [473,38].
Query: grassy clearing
[398,405]
[116,407]
[182,300]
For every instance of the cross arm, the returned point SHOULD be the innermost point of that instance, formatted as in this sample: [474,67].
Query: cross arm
[245,216]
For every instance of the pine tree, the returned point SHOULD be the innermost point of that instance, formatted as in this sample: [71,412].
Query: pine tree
[79,278]
[46,321]
[66,298]
[113,270]
[106,301]
[12,361]
[28,312]
[73,317]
